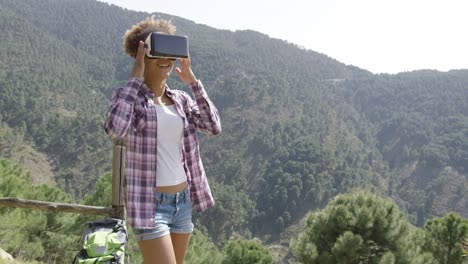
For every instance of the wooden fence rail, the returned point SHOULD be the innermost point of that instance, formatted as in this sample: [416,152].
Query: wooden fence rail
[118,193]
[60,207]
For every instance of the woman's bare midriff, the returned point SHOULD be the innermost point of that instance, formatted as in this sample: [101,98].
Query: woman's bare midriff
[172,189]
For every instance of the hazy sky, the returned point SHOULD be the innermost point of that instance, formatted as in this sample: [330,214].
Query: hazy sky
[380,36]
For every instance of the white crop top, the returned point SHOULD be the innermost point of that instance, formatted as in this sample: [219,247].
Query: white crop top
[170,170]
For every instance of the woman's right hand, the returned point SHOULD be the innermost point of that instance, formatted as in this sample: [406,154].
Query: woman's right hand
[139,66]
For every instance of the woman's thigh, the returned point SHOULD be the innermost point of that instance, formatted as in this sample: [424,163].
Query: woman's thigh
[158,250]
[180,243]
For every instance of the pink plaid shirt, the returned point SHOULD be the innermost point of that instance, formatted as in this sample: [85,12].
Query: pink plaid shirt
[130,115]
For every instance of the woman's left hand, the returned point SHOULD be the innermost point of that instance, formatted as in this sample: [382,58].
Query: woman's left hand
[185,72]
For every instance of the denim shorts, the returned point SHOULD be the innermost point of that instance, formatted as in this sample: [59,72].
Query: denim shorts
[173,214]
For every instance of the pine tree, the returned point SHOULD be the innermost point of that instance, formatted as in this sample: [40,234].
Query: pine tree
[246,251]
[445,236]
[360,228]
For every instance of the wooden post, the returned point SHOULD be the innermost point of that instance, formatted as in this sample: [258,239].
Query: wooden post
[118,177]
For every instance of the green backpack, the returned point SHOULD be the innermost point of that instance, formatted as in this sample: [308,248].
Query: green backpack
[104,243]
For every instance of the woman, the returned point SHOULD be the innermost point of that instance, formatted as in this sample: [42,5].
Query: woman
[164,171]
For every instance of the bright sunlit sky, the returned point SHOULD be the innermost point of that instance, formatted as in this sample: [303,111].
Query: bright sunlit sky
[380,36]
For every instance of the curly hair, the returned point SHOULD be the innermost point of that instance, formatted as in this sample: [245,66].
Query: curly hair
[141,30]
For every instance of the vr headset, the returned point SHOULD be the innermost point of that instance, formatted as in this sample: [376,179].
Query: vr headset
[161,45]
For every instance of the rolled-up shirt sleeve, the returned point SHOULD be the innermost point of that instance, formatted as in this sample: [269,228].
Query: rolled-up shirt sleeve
[121,111]
[204,112]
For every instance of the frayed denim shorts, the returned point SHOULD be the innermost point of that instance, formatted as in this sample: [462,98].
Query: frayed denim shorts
[173,214]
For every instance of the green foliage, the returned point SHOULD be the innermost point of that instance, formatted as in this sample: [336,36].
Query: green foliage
[102,195]
[445,236]
[360,228]
[29,234]
[246,251]
[232,212]
[10,140]
[304,173]
[418,133]
[202,251]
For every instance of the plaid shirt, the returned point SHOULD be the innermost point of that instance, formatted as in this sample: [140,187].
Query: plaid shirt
[131,116]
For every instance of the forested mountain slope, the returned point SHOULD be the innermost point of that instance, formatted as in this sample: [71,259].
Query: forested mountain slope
[421,121]
[298,127]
